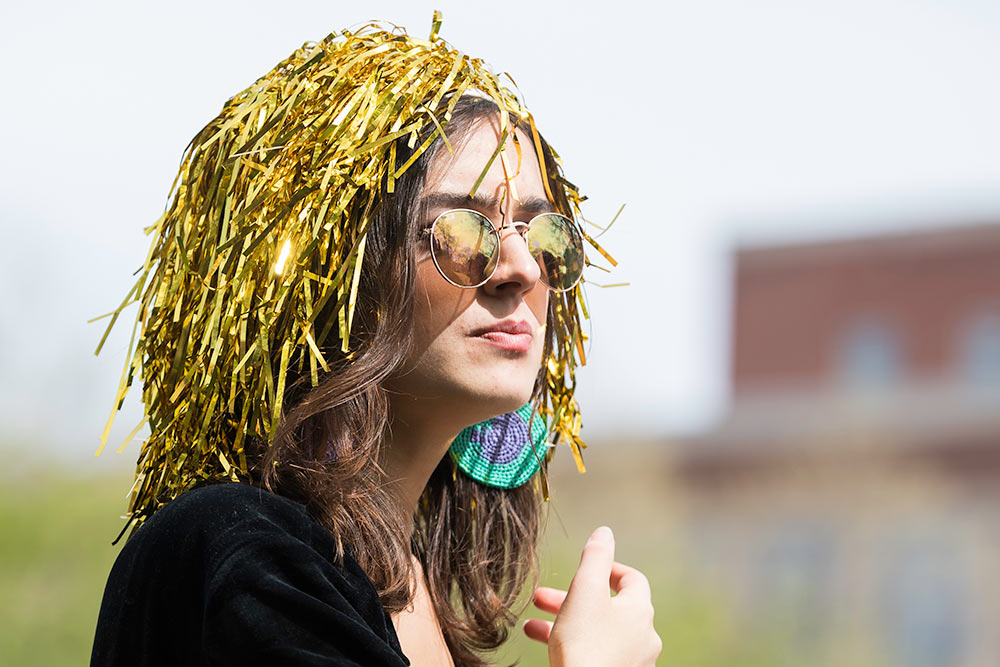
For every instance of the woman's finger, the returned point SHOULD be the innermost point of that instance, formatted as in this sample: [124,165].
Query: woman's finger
[548,599]
[629,581]
[538,629]
[591,578]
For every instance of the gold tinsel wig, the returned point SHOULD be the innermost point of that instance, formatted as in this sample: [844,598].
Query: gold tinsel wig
[266,227]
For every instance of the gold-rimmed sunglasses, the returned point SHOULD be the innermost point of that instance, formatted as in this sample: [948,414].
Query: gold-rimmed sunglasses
[465,246]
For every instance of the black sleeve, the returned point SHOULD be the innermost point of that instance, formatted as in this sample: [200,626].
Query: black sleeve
[232,575]
[272,600]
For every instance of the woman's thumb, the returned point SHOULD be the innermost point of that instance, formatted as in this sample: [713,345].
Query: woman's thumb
[594,574]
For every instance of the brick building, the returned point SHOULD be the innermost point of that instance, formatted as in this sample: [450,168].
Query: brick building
[854,487]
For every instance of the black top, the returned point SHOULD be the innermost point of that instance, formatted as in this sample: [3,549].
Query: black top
[231,574]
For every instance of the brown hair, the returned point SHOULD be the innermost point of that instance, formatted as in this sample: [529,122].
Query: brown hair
[477,544]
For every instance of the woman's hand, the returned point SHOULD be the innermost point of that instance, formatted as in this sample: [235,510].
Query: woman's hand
[591,627]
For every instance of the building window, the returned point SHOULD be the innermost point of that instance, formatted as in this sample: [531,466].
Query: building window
[926,606]
[979,348]
[793,580]
[868,354]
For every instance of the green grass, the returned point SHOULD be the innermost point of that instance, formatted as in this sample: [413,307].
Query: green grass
[55,555]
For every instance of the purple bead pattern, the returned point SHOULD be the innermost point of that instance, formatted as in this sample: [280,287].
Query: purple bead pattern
[503,441]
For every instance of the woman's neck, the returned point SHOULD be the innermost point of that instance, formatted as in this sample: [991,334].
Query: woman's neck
[415,447]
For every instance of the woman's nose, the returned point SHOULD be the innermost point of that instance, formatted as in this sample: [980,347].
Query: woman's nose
[517,271]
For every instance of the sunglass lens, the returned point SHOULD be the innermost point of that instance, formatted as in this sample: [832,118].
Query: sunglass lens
[557,246]
[465,247]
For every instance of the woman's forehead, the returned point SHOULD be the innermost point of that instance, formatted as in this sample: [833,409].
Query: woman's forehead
[516,167]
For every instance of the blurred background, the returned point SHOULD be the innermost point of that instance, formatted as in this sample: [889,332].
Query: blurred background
[794,407]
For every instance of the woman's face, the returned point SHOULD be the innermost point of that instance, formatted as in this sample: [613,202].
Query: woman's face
[476,351]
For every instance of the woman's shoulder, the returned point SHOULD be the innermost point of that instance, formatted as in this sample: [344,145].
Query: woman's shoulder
[229,496]
[212,511]
[220,506]
[233,567]
[204,526]
[218,529]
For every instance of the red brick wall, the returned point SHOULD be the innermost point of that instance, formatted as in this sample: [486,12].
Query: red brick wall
[792,303]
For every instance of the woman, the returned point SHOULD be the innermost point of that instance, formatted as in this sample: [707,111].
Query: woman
[361,307]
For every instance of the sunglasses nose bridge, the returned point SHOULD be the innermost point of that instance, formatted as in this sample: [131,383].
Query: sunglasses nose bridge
[525,265]
[520,227]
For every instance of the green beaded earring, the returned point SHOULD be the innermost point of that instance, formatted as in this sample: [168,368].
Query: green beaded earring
[505,451]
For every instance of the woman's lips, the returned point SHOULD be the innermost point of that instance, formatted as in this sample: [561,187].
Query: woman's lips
[507,335]
[520,342]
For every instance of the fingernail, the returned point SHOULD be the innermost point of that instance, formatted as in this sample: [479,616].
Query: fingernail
[602,534]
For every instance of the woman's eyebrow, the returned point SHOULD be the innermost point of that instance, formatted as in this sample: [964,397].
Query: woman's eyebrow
[535,205]
[532,205]
[459,200]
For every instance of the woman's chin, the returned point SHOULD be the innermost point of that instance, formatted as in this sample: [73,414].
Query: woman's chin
[501,403]
[514,403]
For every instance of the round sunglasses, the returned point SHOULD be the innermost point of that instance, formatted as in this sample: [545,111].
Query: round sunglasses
[465,246]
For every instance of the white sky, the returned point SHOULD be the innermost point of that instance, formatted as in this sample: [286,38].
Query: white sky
[716,122]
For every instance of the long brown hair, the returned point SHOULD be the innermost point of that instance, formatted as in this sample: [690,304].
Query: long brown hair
[477,544]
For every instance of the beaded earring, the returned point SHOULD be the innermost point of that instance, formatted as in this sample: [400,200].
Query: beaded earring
[504,451]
